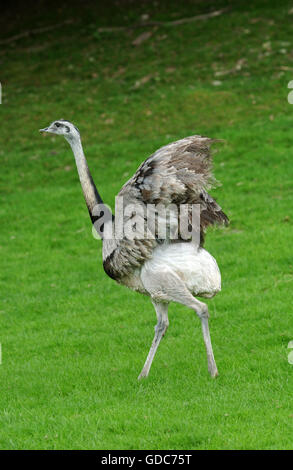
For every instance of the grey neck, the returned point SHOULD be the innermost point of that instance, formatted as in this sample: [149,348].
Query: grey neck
[91,194]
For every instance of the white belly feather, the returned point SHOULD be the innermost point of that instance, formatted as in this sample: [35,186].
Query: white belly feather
[195,266]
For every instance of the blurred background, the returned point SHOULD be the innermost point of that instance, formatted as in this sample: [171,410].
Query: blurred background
[134,76]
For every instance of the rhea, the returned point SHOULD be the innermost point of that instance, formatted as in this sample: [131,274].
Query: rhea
[170,269]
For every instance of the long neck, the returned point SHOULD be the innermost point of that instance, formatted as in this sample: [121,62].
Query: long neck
[92,197]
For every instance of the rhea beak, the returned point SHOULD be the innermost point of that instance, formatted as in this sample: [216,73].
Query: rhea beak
[44,130]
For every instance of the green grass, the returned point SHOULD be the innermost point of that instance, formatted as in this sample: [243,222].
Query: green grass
[73,341]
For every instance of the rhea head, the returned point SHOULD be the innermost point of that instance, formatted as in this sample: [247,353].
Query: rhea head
[65,128]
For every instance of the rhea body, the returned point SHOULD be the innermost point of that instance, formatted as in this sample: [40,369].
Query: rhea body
[165,270]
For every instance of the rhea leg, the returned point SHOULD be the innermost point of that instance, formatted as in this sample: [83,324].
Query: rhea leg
[160,330]
[212,367]
[201,310]
[183,296]
[169,286]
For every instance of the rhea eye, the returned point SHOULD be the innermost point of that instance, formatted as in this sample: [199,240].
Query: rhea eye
[57,124]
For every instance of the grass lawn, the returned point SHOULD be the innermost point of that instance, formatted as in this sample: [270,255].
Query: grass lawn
[74,342]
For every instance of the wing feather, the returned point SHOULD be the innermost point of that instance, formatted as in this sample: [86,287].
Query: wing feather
[178,173]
